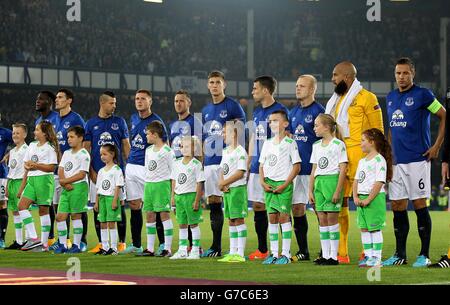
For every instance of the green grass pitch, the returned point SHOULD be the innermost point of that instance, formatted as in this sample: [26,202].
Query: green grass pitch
[254,271]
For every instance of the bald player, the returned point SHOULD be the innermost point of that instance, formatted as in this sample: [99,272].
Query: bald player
[302,118]
[355,110]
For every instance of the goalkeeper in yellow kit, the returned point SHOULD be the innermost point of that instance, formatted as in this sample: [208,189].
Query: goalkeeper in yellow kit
[355,110]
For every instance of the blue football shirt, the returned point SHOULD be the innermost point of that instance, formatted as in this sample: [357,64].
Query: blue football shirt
[409,123]
[262,131]
[139,139]
[100,131]
[302,130]
[214,117]
[69,120]
[188,126]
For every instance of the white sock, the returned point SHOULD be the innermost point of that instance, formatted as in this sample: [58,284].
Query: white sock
[105,241]
[196,238]
[151,235]
[27,220]
[45,229]
[27,235]
[168,234]
[366,239]
[377,243]
[77,231]
[18,229]
[183,239]
[286,229]
[273,233]
[242,238]
[325,241]
[233,239]
[114,236]
[62,232]
[334,241]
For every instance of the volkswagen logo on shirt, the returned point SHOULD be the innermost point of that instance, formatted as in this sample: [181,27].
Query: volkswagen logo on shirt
[34,158]
[272,160]
[152,165]
[13,163]
[361,176]
[323,162]
[182,178]
[68,167]
[226,169]
[106,185]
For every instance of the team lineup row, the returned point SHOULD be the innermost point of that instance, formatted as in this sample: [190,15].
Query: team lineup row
[276,181]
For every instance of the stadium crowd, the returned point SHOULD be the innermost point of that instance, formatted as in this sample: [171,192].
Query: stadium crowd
[130,38]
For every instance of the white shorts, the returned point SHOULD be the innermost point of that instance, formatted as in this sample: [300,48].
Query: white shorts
[410,181]
[212,181]
[301,189]
[93,192]
[58,191]
[254,189]
[3,189]
[135,181]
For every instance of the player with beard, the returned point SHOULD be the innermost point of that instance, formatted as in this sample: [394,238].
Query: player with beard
[187,124]
[355,110]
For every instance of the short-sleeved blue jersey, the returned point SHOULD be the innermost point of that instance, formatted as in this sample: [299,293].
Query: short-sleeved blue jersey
[214,117]
[409,123]
[100,131]
[189,126]
[69,120]
[138,138]
[302,129]
[262,131]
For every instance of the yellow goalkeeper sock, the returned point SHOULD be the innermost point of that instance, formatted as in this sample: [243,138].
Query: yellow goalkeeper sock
[343,225]
[448,253]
